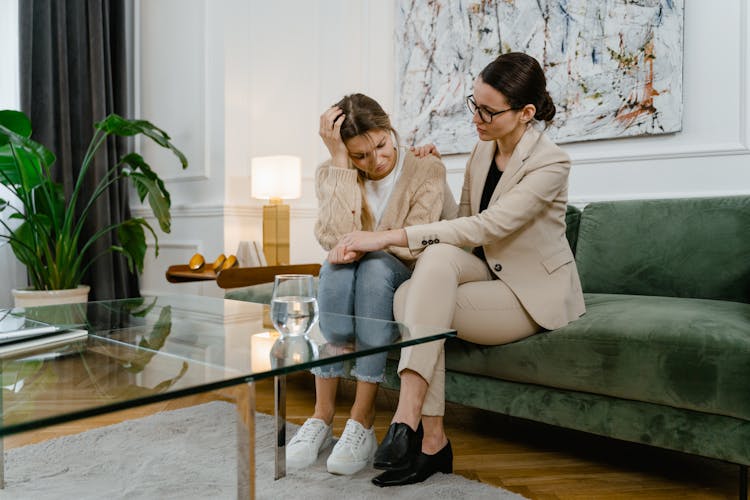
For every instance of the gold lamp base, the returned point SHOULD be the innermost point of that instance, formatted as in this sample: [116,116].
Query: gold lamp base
[276,232]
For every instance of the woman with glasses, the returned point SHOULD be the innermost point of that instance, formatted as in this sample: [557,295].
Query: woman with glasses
[519,279]
[369,183]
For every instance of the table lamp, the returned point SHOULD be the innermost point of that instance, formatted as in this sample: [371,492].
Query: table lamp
[276,178]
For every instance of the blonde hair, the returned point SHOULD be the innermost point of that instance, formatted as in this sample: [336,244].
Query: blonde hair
[364,114]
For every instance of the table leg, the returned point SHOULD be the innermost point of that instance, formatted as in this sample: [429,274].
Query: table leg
[246,442]
[2,439]
[279,386]
[2,463]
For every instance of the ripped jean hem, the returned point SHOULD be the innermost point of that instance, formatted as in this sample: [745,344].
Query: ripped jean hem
[340,374]
[319,372]
[373,379]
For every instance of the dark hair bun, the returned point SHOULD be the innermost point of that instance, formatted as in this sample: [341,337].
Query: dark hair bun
[545,111]
[520,78]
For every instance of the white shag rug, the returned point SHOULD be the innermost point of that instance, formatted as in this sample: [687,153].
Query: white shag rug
[191,453]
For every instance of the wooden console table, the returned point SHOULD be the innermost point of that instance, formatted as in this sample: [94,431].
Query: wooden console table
[237,276]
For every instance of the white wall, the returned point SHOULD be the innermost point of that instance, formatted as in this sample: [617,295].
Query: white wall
[248,78]
[12,273]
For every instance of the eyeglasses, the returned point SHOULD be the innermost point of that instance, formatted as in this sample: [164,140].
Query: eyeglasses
[484,115]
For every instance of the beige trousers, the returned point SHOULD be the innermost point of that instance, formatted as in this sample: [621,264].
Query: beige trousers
[452,288]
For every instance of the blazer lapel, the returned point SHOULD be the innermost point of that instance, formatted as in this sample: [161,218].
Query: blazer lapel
[482,159]
[523,150]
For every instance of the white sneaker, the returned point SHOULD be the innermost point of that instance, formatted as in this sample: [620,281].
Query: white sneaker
[352,452]
[303,449]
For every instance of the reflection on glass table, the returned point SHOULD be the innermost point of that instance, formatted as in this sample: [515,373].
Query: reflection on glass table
[140,351]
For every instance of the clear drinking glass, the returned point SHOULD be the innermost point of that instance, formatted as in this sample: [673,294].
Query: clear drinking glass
[294,308]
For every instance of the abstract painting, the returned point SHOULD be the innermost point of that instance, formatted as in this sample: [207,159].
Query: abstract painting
[614,67]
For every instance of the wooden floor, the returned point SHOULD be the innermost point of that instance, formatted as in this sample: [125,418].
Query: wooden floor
[535,460]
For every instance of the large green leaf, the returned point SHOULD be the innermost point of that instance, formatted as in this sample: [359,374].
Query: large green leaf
[9,173]
[136,162]
[22,160]
[133,242]
[30,170]
[44,154]
[115,124]
[156,199]
[15,121]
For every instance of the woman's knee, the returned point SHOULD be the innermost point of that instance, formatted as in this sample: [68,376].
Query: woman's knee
[378,277]
[336,288]
[399,301]
[381,269]
[330,271]
[440,257]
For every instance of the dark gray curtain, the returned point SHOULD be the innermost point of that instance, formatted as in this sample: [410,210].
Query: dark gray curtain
[74,73]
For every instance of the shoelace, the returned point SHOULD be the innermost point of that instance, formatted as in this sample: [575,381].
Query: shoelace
[309,432]
[353,435]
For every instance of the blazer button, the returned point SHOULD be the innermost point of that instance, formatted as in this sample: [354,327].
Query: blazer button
[437,240]
[424,242]
[498,267]
[431,242]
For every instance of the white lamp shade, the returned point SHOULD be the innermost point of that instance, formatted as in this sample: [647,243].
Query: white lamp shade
[276,177]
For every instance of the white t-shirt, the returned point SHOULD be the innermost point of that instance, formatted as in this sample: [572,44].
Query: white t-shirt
[378,192]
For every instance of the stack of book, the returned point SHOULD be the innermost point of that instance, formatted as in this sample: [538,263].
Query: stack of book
[250,254]
[20,335]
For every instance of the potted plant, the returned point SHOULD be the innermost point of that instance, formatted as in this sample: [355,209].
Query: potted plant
[43,228]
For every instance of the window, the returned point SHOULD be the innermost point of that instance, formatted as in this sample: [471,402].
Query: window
[9,99]
[9,96]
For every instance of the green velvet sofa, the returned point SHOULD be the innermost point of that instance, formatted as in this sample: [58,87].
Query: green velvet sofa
[662,355]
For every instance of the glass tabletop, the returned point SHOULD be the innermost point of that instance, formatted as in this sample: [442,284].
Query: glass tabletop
[140,351]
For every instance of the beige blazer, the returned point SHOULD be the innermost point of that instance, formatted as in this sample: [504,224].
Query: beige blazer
[523,228]
[417,198]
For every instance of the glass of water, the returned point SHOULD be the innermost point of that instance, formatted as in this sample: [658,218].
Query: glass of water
[294,308]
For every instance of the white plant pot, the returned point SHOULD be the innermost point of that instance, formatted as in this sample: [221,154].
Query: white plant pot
[32,298]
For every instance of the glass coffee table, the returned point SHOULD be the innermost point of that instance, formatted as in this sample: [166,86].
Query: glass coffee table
[139,351]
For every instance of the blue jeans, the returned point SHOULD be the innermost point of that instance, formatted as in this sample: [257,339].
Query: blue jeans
[363,289]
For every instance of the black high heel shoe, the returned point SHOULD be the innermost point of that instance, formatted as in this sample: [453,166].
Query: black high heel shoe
[399,447]
[424,466]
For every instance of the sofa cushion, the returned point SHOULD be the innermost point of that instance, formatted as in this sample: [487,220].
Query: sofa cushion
[685,353]
[692,247]
[572,221]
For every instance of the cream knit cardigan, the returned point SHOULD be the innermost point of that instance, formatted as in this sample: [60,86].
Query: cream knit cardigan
[417,198]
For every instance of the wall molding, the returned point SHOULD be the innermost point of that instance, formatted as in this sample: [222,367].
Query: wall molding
[205,173]
[667,154]
[195,211]
[178,244]
[584,200]
[736,149]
